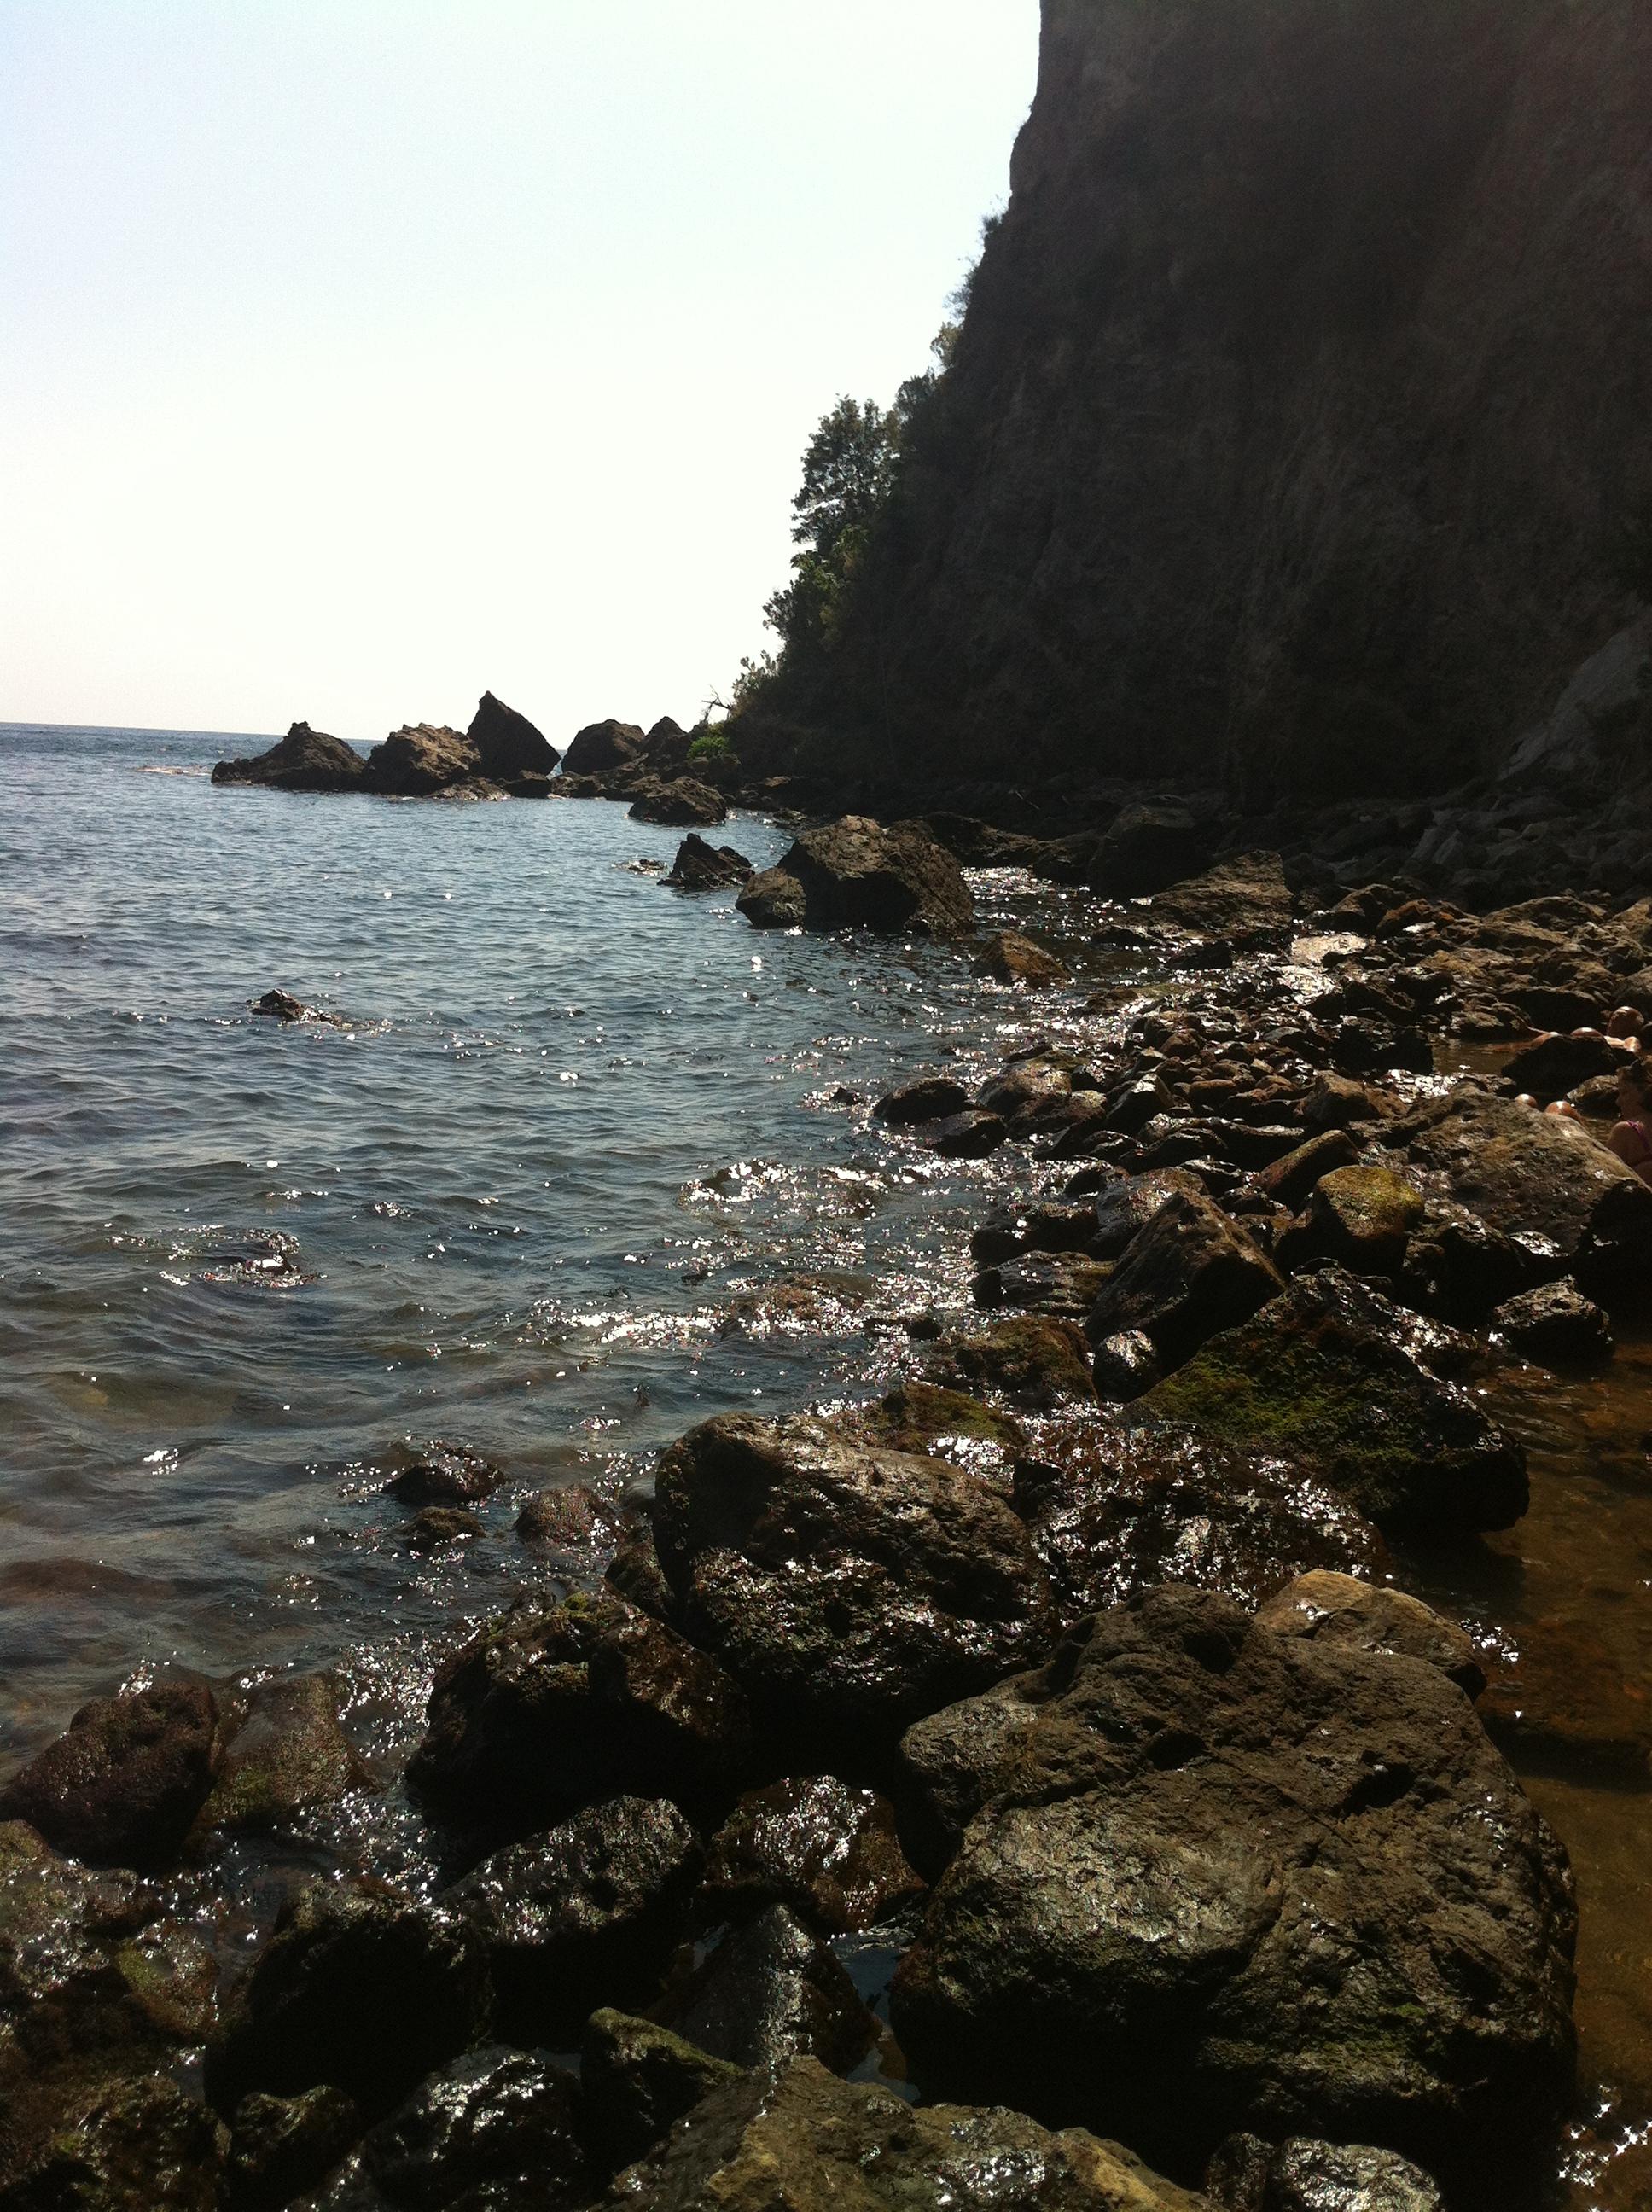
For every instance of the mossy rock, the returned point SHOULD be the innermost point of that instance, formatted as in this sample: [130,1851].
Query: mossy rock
[289,1758]
[1365,1216]
[1032,1363]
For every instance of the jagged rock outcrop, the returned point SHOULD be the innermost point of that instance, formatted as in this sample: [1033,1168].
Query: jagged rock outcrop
[508,742]
[305,760]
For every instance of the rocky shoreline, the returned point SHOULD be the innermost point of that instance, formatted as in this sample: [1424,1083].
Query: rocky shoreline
[1047,1738]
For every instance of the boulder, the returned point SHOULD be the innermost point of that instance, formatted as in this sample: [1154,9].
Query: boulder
[666,744]
[1052,1226]
[601,746]
[1030,1362]
[1337,1609]
[497,2130]
[1147,849]
[421,758]
[928,1098]
[1458,1266]
[1064,1285]
[434,1527]
[553,1708]
[1244,900]
[366,1991]
[700,866]
[445,1474]
[925,1418]
[144,2143]
[305,760]
[566,1518]
[1363,1217]
[282,2146]
[970,1135]
[846,1588]
[638,2079]
[288,1758]
[507,743]
[1227,1879]
[1550,1066]
[679,803]
[830,2144]
[123,1784]
[1008,956]
[1112,1512]
[1337,1101]
[855,873]
[589,1913]
[1189,1273]
[1288,1180]
[811,1843]
[1556,1325]
[1302,2175]
[1125,1366]
[772,1991]
[1124,1209]
[1324,1376]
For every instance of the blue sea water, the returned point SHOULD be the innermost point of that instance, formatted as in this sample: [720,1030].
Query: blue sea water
[538,1200]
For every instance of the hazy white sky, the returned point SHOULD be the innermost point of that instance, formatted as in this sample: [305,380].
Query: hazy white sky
[356,355]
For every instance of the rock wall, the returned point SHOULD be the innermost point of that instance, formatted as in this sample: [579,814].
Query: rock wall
[1302,399]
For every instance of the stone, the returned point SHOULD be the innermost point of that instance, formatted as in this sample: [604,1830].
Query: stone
[1008,956]
[1302,2175]
[282,2146]
[289,1758]
[833,2145]
[772,899]
[1112,1512]
[1324,1376]
[144,2144]
[588,1913]
[1146,850]
[1244,900]
[1064,1285]
[445,1474]
[970,1135]
[1124,1209]
[1228,1879]
[1556,1325]
[551,1709]
[1189,1273]
[123,1784]
[682,801]
[566,1518]
[928,1098]
[414,762]
[366,1991]
[434,1527]
[497,2130]
[1458,1267]
[1333,1607]
[1363,1217]
[1338,1101]
[1032,1363]
[1290,1180]
[507,743]
[772,1991]
[601,746]
[1550,1066]
[855,873]
[845,1586]
[923,1417]
[828,1852]
[1126,1367]
[638,2079]
[700,866]
[1009,1230]
[305,760]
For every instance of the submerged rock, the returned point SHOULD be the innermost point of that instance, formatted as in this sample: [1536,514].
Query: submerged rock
[507,743]
[700,866]
[1227,1879]
[855,872]
[1010,958]
[305,760]
[445,1474]
[123,1784]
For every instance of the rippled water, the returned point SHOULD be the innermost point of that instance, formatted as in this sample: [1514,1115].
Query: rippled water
[575,1176]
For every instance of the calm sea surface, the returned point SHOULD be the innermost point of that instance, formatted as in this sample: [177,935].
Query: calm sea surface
[575,1176]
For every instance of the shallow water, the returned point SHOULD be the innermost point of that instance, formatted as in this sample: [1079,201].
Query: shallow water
[575,1177]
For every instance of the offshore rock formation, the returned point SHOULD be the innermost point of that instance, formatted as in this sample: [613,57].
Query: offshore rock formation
[1298,420]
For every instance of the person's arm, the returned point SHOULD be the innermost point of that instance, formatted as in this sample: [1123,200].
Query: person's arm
[1628,1140]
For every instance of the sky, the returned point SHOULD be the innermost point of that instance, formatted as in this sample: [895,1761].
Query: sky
[357,356]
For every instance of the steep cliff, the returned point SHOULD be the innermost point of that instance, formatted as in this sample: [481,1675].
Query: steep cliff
[1302,399]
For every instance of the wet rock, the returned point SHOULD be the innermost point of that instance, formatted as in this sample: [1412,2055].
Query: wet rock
[638,2079]
[1126,1367]
[123,1784]
[1124,1209]
[288,1757]
[633,1571]
[921,1417]
[855,872]
[282,2146]
[1332,1608]
[305,760]
[437,1526]
[1302,2175]
[497,2130]
[1009,957]
[1324,1376]
[1229,1879]
[1556,1325]
[841,2143]
[1189,1273]
[1033,1364]
[144,2144]
[419,759]
[1561,1701]
[445,1474]
[772,1991]
[682,801]
[930,1098]
[601,746]
[1244,900]
[1049,1228]
[1289,1180]
[1025,1092]
[1550,1066]
[364,1991]
[565,1519]
[552,1708]
[967,1136]
[828,1852]
[1458,1267]
[845,1588]
[507,743]
[1337,1101]
[1363,1217]
[700,866]
[1064,1285]
[1147,849]
[1112,1513]
[589,1913]
[281,1006]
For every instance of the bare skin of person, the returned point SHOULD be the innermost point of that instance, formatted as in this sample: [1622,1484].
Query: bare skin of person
[1631,1133]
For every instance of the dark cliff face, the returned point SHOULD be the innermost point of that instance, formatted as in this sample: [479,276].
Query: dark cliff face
[1303,395]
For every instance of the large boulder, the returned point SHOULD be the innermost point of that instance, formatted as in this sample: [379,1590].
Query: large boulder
[1189,1274]
[845,1586]
[1222,1879]
[769,1992]
[637,2079]
[497,2130]
[601,746]
[1302,2175]
[124,1782]
[855,872]
[145,2143]
[677,804]
[801,2140]
[305,760]
[1325,1376]
[811,1843]
[1245,900]
[551,1708]
[1147,849]
[288,1760]
[507,742]
[700,866]
[419,759]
